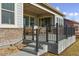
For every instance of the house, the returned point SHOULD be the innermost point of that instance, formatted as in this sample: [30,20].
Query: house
[19,20]
[42,14]
[11,23]
[73,24]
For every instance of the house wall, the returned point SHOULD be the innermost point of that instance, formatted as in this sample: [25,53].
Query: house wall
[10,32]
[69,23]
[76,30]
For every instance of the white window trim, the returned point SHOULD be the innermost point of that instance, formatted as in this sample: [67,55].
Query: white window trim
[8,25]
[7,10]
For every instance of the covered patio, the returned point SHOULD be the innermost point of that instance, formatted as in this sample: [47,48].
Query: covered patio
[41,18]
[39,28]
[44,30]
[38,15]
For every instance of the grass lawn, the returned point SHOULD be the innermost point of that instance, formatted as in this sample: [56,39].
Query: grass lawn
[73,50]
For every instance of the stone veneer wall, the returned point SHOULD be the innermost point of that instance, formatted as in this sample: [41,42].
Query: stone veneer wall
[7,34]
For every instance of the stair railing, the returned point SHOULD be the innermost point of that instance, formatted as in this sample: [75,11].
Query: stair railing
[37,40]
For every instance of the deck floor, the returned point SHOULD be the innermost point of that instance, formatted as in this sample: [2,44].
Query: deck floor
[72,50]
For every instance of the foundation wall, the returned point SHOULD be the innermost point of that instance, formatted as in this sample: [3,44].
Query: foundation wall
[10,35]
[65,43]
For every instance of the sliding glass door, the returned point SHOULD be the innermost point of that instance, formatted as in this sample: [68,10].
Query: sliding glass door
[31,21]
[45,21]
[28,21]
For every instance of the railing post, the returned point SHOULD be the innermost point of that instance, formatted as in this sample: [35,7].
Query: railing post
[66,31]
[74,30]
[33,31]
[37,40]
[56,32]
[46,33]
[24,34]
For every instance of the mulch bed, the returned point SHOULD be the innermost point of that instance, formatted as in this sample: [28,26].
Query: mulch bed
[10,50]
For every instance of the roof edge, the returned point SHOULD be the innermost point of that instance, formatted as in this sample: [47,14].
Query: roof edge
[51,8]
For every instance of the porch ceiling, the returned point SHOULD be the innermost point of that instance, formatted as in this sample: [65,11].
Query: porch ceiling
[33,10]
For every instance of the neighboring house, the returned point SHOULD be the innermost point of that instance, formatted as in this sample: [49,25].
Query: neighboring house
[15,15]
[73,24]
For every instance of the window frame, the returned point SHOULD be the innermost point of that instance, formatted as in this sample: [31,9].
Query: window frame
[41,20]
[10,11]
[24,19]
[29,19]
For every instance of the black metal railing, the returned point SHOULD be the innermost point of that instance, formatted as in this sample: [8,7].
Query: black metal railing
[54,31]
[37,40]
[69,31]
[51,32]
[24,34]
[47,33]
[32,31]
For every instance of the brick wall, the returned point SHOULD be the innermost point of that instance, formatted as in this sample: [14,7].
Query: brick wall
[7,34]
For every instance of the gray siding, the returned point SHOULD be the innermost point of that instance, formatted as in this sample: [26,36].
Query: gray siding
[19,15]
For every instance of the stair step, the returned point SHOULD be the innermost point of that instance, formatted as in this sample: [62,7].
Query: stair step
[34,45]
[27,41]
[30,50]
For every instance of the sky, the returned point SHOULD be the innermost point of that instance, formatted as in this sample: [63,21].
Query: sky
[71,10]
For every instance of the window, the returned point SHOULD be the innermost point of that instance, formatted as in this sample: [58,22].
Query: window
[31,21]
[26,21]
[7,13]
[53,20]
[62,22]
[58,21]
[8,6]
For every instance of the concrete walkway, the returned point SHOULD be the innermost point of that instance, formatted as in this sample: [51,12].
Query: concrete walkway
[22,53]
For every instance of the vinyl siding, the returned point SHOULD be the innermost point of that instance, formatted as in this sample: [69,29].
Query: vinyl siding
[19,15]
